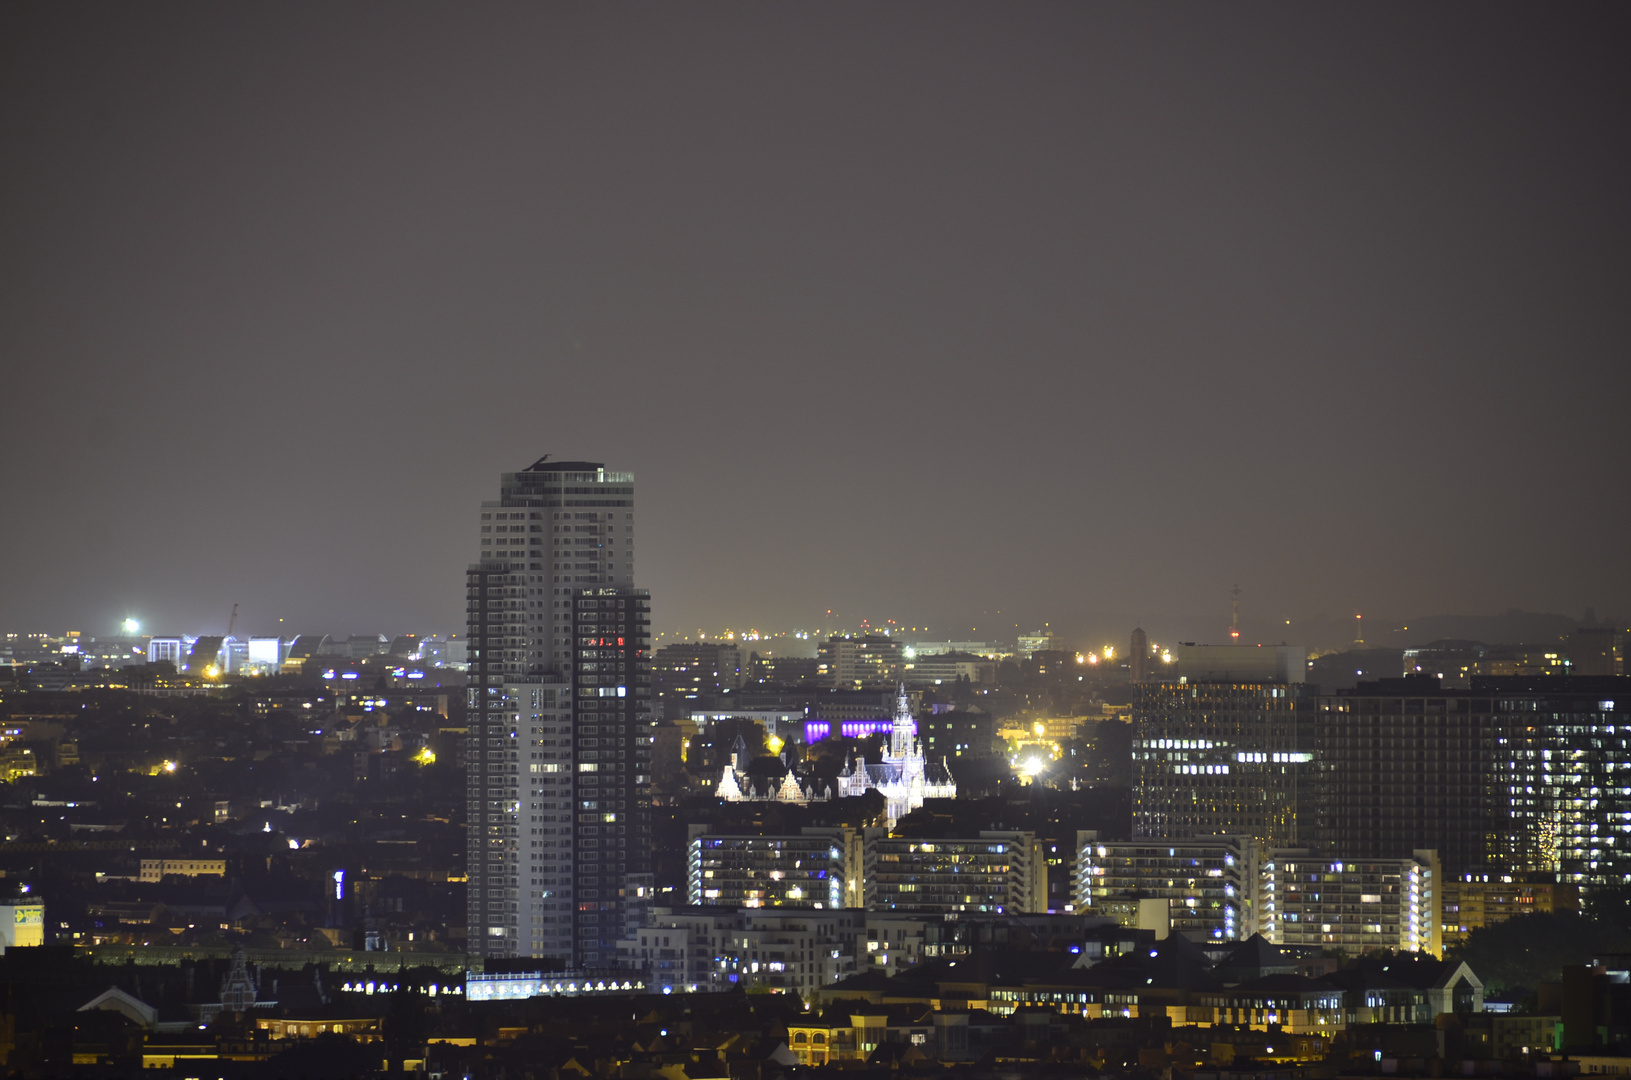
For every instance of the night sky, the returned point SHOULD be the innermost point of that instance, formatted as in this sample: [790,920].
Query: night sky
[911,311]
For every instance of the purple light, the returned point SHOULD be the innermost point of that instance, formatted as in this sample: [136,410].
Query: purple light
[816,730]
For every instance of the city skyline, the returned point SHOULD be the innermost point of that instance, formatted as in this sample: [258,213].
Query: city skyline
[1094,313]
[911,540]
[1084,635]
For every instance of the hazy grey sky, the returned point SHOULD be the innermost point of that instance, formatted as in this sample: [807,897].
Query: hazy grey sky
[904,310]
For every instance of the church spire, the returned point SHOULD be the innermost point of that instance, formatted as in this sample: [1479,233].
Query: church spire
[904,733]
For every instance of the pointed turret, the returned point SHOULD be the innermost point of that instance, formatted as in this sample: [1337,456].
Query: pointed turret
[728,788]
[904,732]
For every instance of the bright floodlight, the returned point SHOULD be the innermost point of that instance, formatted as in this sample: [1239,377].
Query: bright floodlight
[131,626]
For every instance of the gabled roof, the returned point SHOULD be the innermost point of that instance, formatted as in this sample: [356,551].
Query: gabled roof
[1405,972]
[1270,985]
[1252,959]
[1259,952]
[1174,963]
[116,1000]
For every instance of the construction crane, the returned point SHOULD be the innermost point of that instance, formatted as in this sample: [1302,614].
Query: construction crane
[232,623]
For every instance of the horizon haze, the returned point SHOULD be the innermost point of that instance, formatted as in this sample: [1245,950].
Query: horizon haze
[1080,314]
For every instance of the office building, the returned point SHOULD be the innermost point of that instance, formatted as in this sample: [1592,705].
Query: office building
[994,872]
[824,704]
[560,720]
[306,648]
[1204,887]
[1220,758]
[984,649]
[153,870]
[1475,901]
[947,669]
[957,732]
[809,869]
[265,655]
[1037,641]
[1596,650]
[852,663]
[788,671]
[688,670]
[172,650]
[715,949]
[22,923]
[1237,664]
[1512,776]
[1351,905]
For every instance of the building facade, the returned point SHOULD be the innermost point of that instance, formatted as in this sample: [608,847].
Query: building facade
[688,670]
[810,869]
[957,732]
[1208,884]
[1351,905]
[715,949]
[560,719]
[1475,901]
[1512,776]
[158,869]
[947,669]
[852,663]
[995,872]
[1220,759]
[22,923]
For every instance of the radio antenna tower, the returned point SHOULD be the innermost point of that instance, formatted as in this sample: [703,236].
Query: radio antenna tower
[1234,624]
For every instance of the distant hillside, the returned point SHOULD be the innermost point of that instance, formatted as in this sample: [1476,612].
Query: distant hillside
[1510,628]
[1513,627]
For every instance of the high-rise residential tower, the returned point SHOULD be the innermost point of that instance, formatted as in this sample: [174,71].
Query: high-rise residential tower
[560,718]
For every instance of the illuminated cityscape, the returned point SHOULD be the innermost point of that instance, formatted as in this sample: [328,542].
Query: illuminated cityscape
[551,807]
[743,542]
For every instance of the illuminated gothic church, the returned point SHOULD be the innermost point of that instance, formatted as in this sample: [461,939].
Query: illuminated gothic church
[903,778]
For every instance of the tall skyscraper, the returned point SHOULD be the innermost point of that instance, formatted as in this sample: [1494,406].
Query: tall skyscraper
[560,719]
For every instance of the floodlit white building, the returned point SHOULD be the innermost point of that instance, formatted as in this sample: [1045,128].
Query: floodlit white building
[903,777]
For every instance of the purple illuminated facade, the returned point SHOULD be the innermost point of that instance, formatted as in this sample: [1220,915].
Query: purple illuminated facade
[816,730]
